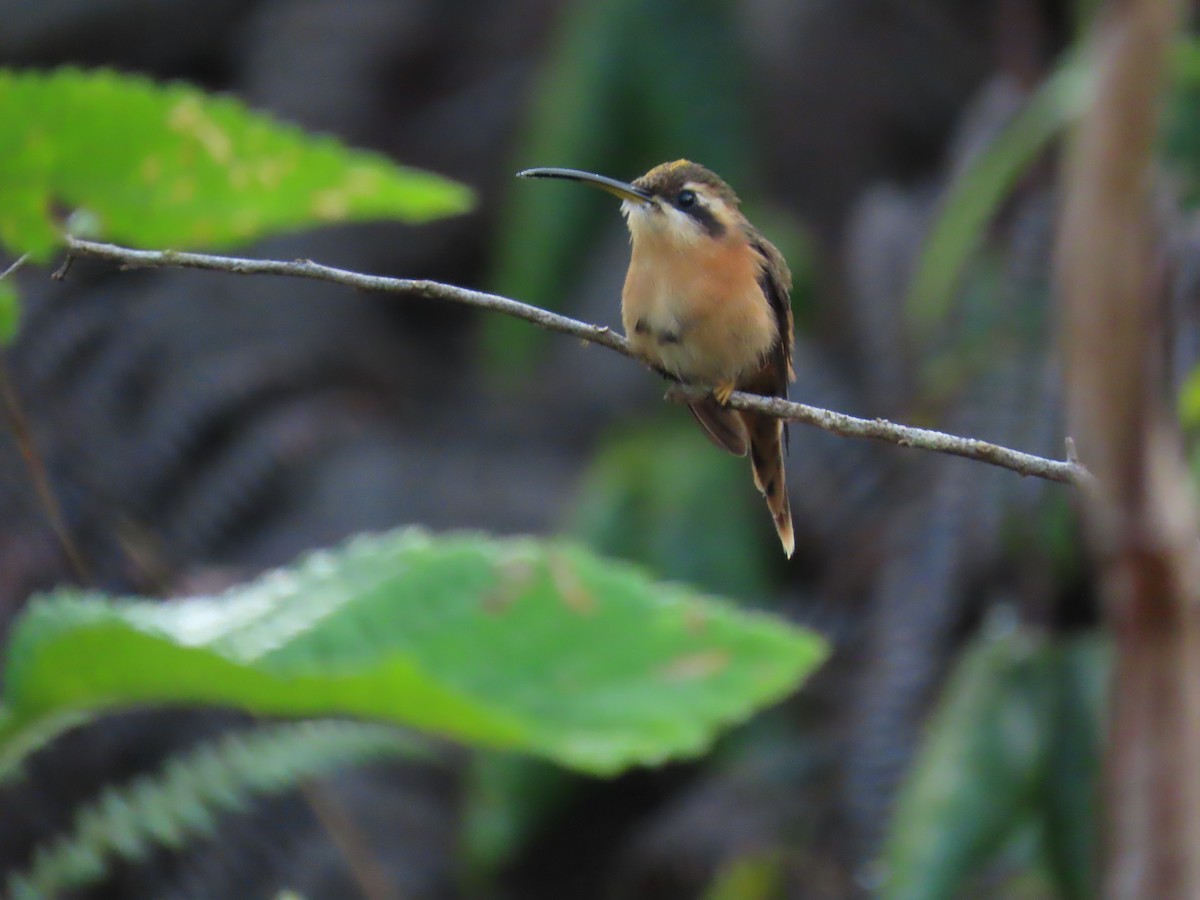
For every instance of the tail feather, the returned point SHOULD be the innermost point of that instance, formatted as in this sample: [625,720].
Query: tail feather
[770,477]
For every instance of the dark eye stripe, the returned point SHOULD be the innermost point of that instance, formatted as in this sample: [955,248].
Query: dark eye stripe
[700,212]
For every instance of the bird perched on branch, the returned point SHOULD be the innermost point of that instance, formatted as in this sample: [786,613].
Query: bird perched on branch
[707,301]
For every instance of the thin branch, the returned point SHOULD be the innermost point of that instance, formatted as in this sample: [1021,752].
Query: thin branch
[306,268]
[17,263]
[14,412]
[1066,471]
[345,831]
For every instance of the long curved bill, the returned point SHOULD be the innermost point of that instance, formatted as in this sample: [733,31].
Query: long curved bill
[622,189]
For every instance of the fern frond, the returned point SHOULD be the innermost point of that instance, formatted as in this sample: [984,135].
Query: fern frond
[185,799]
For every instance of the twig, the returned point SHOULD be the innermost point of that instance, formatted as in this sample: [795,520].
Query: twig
[1067,471]
[18,422]
[347,836]
[17,263]
[306,268]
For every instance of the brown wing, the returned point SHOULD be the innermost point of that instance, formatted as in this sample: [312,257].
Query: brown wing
[723,426]
[775,279]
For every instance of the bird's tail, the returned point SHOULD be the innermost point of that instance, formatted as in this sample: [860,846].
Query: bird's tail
[766,455]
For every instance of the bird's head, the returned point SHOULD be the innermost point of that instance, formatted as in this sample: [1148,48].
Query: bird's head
[680,203]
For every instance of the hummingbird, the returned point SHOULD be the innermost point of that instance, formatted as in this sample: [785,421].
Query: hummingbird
[707,302]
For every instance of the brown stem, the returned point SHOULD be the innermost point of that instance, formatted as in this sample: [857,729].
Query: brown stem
[1140,515]
[14,412]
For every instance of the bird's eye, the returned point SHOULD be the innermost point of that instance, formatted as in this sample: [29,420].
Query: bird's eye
[685,199]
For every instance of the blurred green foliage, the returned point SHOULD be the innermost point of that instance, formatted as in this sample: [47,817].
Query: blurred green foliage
[1189,402]
[976,194]
[1014,743]
[10,311]
[656,495]
[526,645]
[664,497]
[185,800]
[506,799]
[1188,409]
[536,646]
[1005,786]
[1181,120]
[757,876]
[979,191]
[168,166]
[630,84]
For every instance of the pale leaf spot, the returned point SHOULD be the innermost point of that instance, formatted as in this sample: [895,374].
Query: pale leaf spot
[270,172]
[331,204]
[694,666]
[183,190]
[363,181]
[239,177]
[513,576]
[187,117]
[695,620]
[570,590]
[151,169]
[245,222]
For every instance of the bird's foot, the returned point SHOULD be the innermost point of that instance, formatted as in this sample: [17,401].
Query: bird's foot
[722,392]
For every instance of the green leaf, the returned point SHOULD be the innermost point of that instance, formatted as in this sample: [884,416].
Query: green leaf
[666,498]
[754,876]
[1073,766]
[169,166]
[10,311]
[979,772]
[1010,768]
[183,801]
[1181,119]
[975,196]
[1189,402]
[524,645]
[506,799]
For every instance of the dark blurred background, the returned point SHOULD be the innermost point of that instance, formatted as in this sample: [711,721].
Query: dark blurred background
[198,427]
